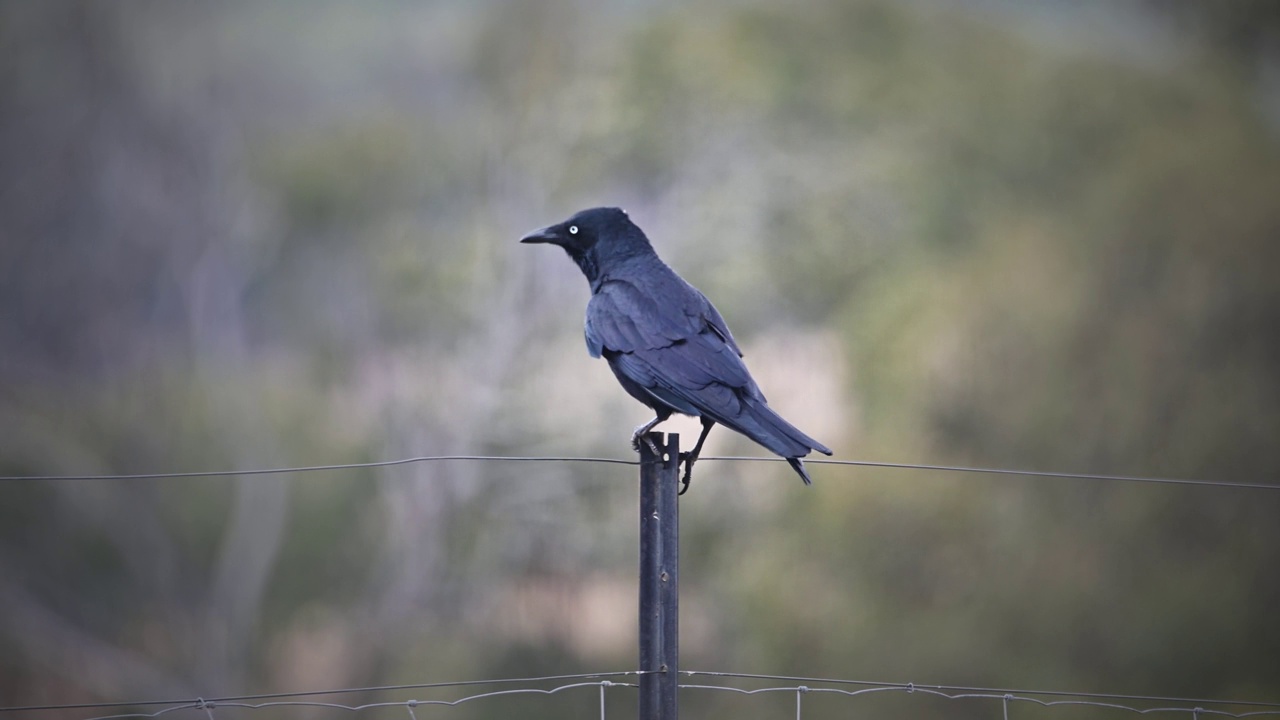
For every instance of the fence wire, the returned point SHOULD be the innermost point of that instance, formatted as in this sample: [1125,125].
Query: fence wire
[1002,704]
[208,707]
[803,686]
[187,703]
[618,461]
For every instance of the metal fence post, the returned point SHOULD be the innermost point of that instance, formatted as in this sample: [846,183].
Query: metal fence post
[659,577]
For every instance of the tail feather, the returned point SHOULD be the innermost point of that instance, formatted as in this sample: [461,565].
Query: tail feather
[760,423]
[787,439]
[799,467]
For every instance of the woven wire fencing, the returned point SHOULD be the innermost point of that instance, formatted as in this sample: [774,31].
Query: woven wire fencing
[613,694]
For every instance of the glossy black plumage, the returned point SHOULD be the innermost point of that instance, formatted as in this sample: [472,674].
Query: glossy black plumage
[665,342]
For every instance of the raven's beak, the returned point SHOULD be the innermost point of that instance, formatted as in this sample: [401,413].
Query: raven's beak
[545,235]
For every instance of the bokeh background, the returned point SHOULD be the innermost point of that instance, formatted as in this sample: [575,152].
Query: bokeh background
[1037,234]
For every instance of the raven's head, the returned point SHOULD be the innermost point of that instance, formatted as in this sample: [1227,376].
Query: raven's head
[595,239]
[582,231]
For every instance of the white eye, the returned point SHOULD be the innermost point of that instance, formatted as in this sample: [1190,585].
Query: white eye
[573,229]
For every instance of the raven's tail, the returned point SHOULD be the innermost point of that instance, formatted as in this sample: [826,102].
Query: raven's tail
[799,467]
[760,423]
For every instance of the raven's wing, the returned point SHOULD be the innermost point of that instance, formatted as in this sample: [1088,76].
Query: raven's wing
[681,338]
[623,317]
[679,350]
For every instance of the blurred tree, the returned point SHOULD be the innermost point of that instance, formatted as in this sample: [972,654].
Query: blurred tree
[242,236]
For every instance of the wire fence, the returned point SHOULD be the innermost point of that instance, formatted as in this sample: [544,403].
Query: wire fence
[601,686]
[597,688]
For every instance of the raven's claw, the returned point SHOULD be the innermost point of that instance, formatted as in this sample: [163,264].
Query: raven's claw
[640,437]
[643,432]
[688,459]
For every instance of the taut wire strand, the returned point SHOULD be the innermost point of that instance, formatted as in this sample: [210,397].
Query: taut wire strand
[619,461]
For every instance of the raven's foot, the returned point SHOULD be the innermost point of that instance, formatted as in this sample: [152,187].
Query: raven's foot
[652,448]
[688,459]
[642,435]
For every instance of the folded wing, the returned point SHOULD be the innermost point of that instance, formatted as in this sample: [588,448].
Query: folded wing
[681,353]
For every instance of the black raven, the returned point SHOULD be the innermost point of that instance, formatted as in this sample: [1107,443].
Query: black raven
[664,340]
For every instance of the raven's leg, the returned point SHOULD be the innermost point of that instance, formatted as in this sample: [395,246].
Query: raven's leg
[644,430]
[692,456]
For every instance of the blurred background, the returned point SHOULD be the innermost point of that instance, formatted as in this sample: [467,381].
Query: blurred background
[1038,234]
